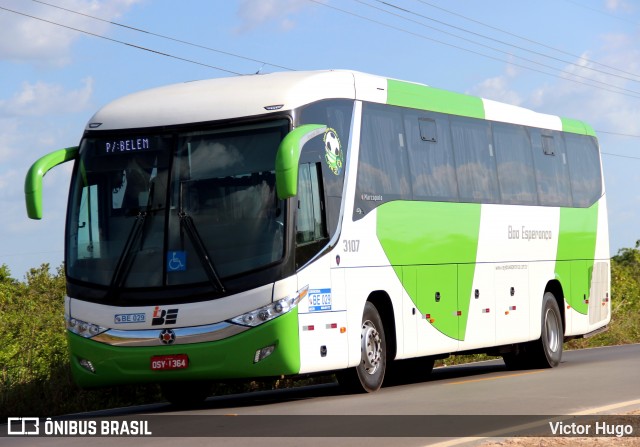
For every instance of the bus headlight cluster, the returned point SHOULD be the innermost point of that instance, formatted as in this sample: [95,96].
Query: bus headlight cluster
[265,313]
[269,312]
[83,328]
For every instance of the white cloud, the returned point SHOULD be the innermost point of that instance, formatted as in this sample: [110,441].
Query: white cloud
[618,5]
[33,122]
[254,13]
[616,112]
[40,98]
[497,89]
[26,39]
[601,107]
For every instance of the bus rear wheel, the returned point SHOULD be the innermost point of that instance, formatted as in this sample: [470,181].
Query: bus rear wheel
[369,374]
[547,351]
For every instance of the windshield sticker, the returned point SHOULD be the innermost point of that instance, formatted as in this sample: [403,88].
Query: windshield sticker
[333,151]
[319,300]
[129,318]
[177,261]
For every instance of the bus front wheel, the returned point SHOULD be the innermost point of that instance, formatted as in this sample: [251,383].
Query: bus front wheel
[369,374]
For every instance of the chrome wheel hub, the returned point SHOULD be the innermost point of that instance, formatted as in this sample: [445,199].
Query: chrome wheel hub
[552,327]
[371,347]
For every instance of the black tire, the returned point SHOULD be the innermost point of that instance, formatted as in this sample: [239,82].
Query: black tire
[186,394]
[369,374]
[547,351]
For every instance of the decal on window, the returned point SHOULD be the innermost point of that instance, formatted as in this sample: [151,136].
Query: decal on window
[333,151]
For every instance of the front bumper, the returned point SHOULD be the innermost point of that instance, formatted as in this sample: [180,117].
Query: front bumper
[229,358]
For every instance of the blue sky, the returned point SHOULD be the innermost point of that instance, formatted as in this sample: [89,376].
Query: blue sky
[53,79]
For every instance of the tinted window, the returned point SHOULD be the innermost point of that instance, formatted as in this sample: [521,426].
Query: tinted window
[475,160]
[584,168]
[336,114]
[433,173]
[383,169]
[311,234]
[515,164]
[309,221]
[412,154]
[552,173]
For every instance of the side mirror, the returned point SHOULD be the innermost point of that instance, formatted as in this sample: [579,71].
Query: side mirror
[33,182]
[288,157]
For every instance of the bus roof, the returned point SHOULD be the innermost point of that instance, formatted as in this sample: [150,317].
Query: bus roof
[252,95]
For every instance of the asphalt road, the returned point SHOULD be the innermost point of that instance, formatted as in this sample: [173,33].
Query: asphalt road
[603,380]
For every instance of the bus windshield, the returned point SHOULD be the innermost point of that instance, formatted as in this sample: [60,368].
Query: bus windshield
[151,210]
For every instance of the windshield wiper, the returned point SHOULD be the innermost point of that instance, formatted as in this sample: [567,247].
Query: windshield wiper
[186,222]
[126,257]
[128,254]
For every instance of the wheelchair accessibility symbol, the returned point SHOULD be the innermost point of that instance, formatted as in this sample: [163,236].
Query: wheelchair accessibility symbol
[176,261]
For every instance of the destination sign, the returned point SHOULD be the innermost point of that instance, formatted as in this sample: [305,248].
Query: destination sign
[130,145]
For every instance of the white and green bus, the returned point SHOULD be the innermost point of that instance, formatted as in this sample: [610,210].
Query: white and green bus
[305,222]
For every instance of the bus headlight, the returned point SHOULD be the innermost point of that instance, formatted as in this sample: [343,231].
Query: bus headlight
[270,311]
[83,328]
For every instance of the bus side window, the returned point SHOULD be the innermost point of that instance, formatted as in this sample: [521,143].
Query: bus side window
[383,165]
[515,164]
[431,165]
[552,172]
[584,169]
[475,160]
[311,226]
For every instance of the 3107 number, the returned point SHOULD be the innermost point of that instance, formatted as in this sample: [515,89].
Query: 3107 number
[351,245]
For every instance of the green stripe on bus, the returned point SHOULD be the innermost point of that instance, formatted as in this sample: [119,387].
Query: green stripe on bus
[575,126]
[418,96]
[432,247]
[576,252]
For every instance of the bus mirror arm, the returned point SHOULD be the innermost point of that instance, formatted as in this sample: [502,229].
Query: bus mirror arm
[33,181]
[288,157]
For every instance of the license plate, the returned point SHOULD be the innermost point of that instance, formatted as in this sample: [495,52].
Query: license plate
[169,362]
